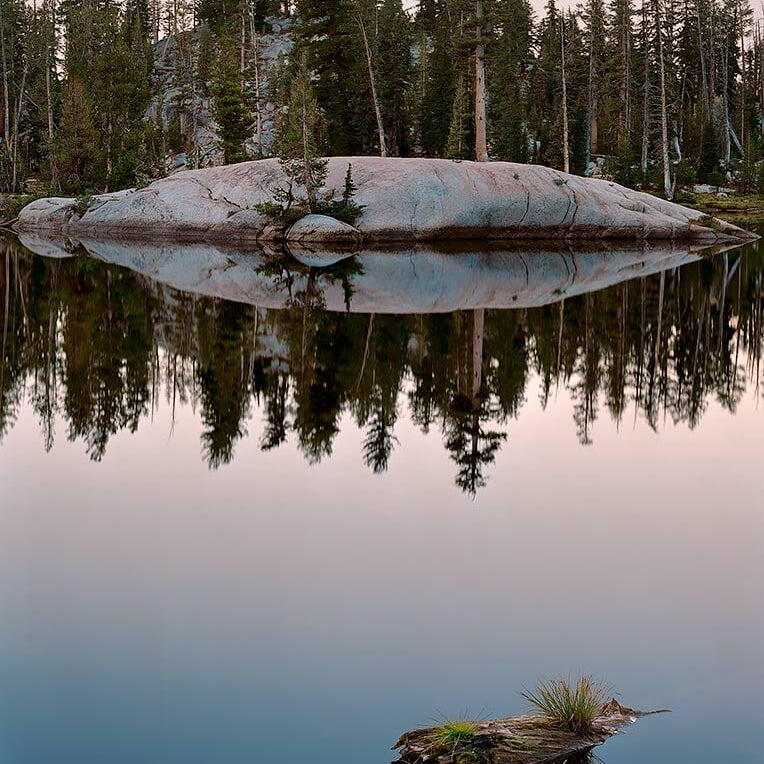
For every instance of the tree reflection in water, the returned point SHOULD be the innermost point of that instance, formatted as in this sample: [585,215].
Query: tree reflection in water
[100,345]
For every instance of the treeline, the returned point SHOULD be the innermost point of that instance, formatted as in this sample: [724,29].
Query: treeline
[98,347]
[668,91]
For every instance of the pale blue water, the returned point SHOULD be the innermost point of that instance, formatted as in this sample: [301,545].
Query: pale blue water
[291,604]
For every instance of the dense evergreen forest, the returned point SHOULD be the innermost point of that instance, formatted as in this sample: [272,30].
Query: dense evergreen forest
[97,348]
[653,93]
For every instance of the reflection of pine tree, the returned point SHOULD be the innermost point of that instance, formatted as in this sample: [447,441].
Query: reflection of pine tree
[422,398]
[584,392]
[276,414]
[97,345]
[224,343]
[379,440]
[472,445]
[377,386]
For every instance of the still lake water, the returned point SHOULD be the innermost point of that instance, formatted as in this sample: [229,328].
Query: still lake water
[268,529]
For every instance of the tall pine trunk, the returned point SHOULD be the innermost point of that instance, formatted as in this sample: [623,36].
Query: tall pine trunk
[646,93]
[565,139]
[373,83]
[667,187]
[481,143]
[256,64]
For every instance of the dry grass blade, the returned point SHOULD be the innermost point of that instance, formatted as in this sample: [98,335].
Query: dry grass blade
[571,705]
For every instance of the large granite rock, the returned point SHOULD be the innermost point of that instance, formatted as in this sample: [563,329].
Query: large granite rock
[405,200]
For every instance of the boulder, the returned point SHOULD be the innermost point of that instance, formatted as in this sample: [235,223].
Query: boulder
[321,229]
[403,200]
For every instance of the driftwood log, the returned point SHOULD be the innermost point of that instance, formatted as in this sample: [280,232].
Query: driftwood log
[518,740]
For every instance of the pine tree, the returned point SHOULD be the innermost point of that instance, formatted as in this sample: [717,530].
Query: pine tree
[230,103]
[436,104]
[509,59]
[328,37]
[80,159]
[395,74]
[710,156]
[299,133]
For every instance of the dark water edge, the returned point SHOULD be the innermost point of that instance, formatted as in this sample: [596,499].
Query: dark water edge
[234,533]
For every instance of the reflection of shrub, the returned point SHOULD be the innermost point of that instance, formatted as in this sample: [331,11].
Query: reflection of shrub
[573,706]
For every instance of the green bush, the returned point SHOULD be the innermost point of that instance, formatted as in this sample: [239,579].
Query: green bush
[81,204]
[285,208]
[684,174]
[12,204]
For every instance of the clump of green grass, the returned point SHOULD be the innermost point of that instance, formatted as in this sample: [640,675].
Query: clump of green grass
[570,705]
[453,734]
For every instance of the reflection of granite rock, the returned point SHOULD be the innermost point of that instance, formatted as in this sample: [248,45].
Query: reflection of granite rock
[404,200]
[410,280]
[318,258]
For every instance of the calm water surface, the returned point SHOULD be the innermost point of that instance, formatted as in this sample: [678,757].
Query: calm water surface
[269,529]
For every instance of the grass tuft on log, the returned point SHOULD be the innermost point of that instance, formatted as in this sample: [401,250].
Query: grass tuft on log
[572,705]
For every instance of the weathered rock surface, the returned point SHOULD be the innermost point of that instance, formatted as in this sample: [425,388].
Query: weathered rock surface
[172,92]
[414,279]
[405,200]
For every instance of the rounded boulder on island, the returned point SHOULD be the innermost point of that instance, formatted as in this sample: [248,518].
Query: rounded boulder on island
[322,229]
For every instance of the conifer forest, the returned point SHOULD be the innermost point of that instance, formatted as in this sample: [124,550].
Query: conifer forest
[100,95]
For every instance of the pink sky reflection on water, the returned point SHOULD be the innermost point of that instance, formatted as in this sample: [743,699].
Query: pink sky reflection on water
[332,591]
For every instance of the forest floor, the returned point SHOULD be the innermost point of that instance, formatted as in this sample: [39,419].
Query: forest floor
[745,210]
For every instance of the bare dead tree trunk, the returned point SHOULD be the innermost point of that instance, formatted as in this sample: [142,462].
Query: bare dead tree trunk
[373,83]
[591,103]
[565,140]
[53,169]
[646,95]
[703,68]
[307,180]
[256,64]
[727,147]
[6,95]
[481,142]
[668,189]
[743,78]
[16,123]
[242,44]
